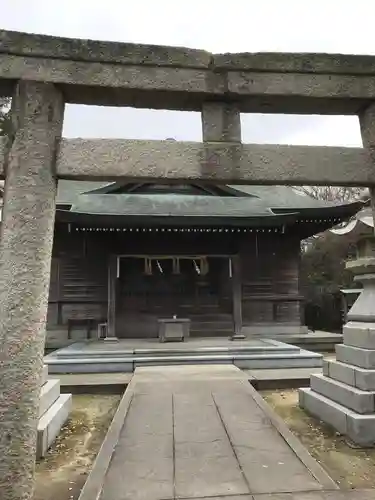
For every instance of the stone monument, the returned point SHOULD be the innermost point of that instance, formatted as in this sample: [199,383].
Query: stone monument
[344,396]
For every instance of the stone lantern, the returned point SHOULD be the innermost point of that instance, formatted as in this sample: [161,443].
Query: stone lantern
[344,396]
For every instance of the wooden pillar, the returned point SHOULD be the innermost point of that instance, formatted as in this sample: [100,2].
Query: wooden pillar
[221,122]
[237,297]
[113,271]
[26,249]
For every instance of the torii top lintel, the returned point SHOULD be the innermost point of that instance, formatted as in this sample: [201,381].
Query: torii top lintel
[163,77]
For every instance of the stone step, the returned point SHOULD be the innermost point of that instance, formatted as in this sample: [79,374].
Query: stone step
[359,428]
[49,393]
[359,335]
[50,423]
[349,374]
[360,401]
[183,351]
[364,358]
[44,375]
[302,359]
[227,332]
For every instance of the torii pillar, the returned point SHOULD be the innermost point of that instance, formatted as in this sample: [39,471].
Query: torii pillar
[26,248]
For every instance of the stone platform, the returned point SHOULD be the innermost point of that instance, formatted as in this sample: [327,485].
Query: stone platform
[316,341]
[127,355]
[54,409]
[199,432]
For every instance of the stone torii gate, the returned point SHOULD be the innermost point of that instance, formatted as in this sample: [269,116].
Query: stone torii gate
[42,73]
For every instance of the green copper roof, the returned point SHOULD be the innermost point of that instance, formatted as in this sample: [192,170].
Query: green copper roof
[171,205]
[232,202]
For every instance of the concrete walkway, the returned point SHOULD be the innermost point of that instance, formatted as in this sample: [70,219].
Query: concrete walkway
[198,432]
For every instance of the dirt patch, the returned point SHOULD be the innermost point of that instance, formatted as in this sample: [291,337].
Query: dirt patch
[63,472]
[349,467]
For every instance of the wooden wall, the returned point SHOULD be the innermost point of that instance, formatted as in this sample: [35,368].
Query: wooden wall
[269,271]
[270,280]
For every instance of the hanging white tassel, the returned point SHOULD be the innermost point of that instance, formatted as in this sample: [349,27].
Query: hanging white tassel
[176,266]
[196,267]
[159,266]
[148,267]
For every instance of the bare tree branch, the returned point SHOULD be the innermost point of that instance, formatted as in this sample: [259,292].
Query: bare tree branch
[334,193]
[4,116]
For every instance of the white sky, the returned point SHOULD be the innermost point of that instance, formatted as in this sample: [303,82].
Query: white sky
[341,26]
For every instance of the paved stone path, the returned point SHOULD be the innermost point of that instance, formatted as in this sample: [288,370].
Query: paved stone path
[198,432]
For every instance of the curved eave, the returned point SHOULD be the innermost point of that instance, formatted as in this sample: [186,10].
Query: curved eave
[120,220]
[343,211]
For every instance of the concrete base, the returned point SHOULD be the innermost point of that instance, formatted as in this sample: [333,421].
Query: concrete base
[49,393]
[317,341]
[126,356]
[352,375]
[274,330]
[344,395]
[359,335]
[357,400]
[359,428]
[364,358]
[53,412]
[50,423]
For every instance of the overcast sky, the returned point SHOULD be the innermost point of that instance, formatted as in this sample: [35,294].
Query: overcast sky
[341,26]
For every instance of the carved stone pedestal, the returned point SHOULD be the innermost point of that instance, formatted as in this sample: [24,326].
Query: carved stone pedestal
[344,396]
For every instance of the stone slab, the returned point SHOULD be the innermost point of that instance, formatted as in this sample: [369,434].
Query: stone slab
[200,431]
[92,379]
[97,357]
[90,365]
[349,374]
[363,358]
[114,158]
[283,374]
[47,46]
[51,422]
[275,330]
[190,348]
[44,375]
[259,446]
[278,361]
[49,393]
[93,72]
[359,428]
[360,401]
[76,49]
[365,379]
[339,371]
[213,161]
[324,409]
[359,335]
